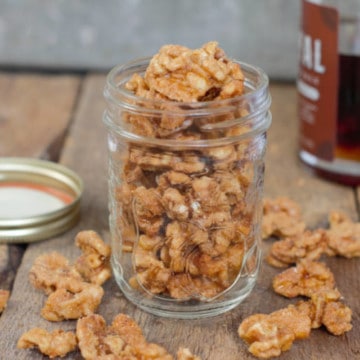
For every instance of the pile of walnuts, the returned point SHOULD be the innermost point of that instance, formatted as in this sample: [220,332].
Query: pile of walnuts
[195,209]
[75,292]
[270,334]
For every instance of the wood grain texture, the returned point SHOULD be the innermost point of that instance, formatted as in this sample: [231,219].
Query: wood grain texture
[214,338]
[35,110]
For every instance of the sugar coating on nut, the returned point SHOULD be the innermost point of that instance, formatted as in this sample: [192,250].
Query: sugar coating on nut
[53,344]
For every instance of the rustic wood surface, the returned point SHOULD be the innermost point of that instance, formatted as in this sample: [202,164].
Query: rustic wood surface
[78,121]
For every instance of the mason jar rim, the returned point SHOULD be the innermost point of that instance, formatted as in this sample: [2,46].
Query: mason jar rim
[119,97]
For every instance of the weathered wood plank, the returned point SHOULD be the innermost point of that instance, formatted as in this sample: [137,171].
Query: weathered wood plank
[35,112]
[214,338]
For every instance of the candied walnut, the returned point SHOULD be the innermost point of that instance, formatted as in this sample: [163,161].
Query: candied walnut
[306,278]
[209,195]
[324,308]
[123,339]
[175,204]
[149,210]
[64,304]
[183,286]
[94,263]
[343,236]
[185,354]
[230,185]
[187,75]
[308,245]
[52,271]
[281,217]
[173,179]
[54,344]
[270,334]
[4,297]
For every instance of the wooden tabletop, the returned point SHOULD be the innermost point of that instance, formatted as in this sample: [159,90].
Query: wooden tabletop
[59,117]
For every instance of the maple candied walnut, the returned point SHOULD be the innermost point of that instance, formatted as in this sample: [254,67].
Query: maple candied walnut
[308,245]
[304,279]
[123,339]
[268,335]
[53,271]
[63,304]
[343,237]
[184,181]
[57,343]
[281,217]
[94,262]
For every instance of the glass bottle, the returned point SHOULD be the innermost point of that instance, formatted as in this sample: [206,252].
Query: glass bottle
[329,89]
[185,209]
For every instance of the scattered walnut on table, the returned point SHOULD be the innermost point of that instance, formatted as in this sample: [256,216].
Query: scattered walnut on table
[308,245]
[53,271]
[4,297]
[281,217]
[63,304]
[123,339]
[306,278]
[268,335]
[343,236]
[94,263]
[53,344]
[325,308]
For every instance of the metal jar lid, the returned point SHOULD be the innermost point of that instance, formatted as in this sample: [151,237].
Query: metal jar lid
[38,199]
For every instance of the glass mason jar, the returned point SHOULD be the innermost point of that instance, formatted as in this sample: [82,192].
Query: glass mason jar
[185,200]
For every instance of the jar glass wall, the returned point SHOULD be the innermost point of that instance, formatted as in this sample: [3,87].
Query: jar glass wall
[185,200]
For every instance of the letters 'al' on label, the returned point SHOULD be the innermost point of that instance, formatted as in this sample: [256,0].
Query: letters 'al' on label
[318,80]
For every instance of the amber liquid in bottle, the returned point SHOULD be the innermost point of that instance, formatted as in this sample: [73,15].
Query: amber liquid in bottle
[348,123]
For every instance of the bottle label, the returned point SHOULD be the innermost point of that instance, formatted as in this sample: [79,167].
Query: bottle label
[318,79]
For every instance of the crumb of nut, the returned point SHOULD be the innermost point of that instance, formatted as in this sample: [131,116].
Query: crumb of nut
[343,236]
[54,344]
[4,297]
[122,339]
[185,354]
[281,217]
[94,263]
[63,304]
[308,245]
[269,335]
[52,271]
[306,278]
